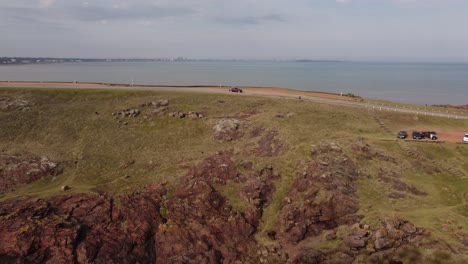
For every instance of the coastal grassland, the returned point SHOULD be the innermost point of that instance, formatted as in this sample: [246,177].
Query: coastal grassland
[403,121]
[432,108]
[442,206]
[99,154]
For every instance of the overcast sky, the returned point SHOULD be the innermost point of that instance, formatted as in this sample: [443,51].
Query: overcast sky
[419,30]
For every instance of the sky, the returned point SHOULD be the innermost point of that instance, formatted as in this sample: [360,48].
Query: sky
[394,30]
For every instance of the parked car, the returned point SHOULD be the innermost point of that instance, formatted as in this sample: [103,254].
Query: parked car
[235,90]
[430,135]
[465,138]
[417,135]
[402,134]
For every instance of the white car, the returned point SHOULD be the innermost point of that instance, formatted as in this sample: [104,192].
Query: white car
[465,138]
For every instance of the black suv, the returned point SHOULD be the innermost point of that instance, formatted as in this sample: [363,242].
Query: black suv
[430,134]
[417,135]
[402,134]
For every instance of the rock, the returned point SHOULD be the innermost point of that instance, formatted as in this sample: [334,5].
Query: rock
[269,145]
[331,235]
[81,228]
[65,188]
[320,203]
[227,130]
[194,115]
[383,243]
[86,228]
[396,232]
[163,102]
[354,241]
[309,256]
[342,258]
[324,147]
[9,104]
[314,149]
[160,110]
[24,170]
[127,113]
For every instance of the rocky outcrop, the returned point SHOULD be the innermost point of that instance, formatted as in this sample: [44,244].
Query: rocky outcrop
[8,104]
[190,114]
[395,232]
[194,222]
[269,145]
[321,198]
[127,113]
[195,225]
[23,170]
[202,227]
[81,228]
[159,107]
[216,169]
[227,130]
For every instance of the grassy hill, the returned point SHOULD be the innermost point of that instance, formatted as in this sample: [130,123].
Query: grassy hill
[104,153]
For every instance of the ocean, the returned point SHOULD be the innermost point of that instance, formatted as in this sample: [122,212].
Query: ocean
[416,83]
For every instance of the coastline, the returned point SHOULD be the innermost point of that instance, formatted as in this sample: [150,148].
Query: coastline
[253,90]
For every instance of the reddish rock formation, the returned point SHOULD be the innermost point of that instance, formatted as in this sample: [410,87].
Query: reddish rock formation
[23,170]
[202,227]
[216,169]
[80,228]
[196,225]
[269,145]
[322,198]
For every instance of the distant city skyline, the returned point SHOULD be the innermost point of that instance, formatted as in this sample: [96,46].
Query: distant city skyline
[352,30]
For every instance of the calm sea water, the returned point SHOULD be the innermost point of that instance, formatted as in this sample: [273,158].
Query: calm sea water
[399,82]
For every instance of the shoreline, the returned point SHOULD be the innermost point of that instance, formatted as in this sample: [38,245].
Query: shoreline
[251,89]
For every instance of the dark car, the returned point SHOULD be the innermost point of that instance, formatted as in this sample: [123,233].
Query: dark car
[430,134]
[402,134]
[417,135]
[235,90]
